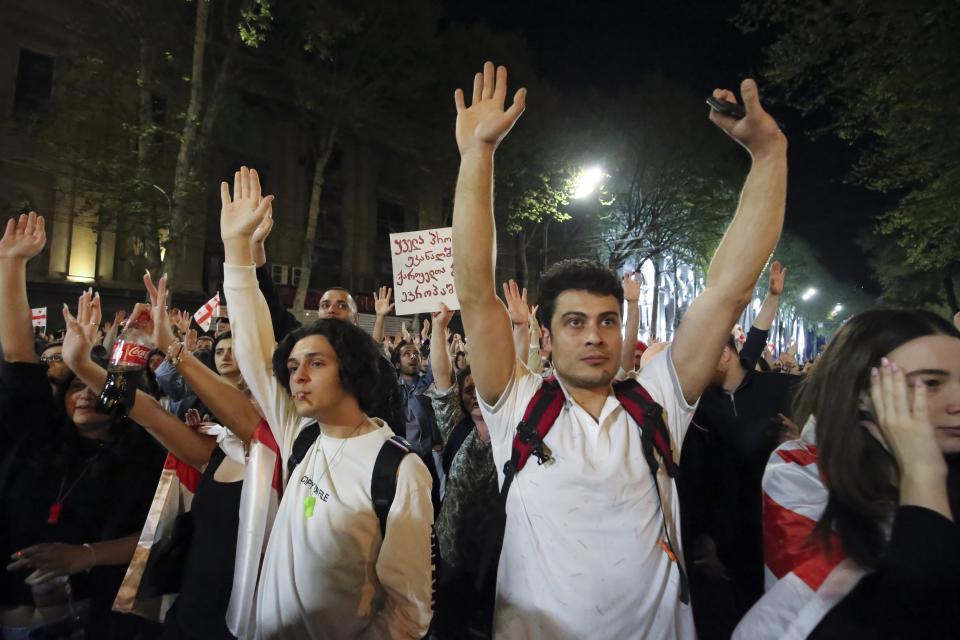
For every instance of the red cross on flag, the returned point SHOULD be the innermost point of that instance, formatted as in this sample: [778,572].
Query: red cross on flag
[208,312]
[39,317]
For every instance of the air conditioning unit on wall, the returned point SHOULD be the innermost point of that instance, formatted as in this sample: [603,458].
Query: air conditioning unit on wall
[296,273]
[280,273]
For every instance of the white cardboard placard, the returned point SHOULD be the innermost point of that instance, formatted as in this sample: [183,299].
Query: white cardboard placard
[423,270]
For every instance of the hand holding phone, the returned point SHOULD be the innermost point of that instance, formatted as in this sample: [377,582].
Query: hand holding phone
[733,109]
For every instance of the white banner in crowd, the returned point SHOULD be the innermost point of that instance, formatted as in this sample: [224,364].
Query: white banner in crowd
[423,270]
[39,317]
[208,312]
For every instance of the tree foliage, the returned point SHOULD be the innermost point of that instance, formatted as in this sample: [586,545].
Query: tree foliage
[882,76]
[673,178]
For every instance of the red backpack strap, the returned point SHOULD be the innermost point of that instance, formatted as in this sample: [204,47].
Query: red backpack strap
[541,413]
[653,436]
[649,417]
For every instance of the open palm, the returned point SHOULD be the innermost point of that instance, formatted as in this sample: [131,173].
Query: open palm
[242,214]
[24,238]
[485,122]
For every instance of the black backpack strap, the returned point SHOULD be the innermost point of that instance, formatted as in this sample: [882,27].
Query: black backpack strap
[383,484]
[455,441]
[305,439]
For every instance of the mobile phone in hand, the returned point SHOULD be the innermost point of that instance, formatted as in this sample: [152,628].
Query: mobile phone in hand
[731,109]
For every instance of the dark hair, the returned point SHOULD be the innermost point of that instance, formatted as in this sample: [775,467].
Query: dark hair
[575,274]
[226,335]
[460,380]
[206,357]
[398,350]
[356,353]
[858,472]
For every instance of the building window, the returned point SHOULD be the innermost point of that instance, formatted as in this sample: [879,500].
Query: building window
[34,83]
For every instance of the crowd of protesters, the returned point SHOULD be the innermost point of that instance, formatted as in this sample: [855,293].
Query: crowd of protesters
[276,480]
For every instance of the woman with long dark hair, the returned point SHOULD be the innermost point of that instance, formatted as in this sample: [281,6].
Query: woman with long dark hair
[885,400]
[75,484]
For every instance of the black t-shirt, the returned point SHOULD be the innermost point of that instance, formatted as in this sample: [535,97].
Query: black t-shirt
[105,487]
[723,457]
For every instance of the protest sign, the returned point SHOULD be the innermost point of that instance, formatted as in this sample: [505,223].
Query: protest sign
[423,270]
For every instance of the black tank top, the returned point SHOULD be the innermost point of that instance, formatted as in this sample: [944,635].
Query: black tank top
[201,607]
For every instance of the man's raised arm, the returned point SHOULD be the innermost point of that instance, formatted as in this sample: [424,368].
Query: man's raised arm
[745,248]
[480,128]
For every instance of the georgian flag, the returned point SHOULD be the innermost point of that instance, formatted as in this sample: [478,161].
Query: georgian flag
[803,582]
[39,317]
[259,501]
[206,314]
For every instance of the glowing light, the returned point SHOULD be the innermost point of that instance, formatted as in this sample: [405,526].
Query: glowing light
[587,182]
[809,293]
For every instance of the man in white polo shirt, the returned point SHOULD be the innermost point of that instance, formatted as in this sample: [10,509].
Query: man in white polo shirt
[585,552]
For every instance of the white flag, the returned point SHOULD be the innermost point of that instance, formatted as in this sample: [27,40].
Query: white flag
[208,312]
[39,317]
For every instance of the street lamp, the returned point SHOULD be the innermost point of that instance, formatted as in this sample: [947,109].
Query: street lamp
[587,182]
[809,293]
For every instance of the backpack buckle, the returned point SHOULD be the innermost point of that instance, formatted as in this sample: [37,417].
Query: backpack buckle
[526,433]
[542,452]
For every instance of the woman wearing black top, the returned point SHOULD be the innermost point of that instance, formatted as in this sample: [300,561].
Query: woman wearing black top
[886,397]
[207,580]
[74,485]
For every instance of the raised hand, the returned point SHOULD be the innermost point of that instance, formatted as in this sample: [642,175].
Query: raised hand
[757,132]
[777,276]
[162,333]
[245,211]
[23,238]
[442,318]
[485,122]
[118,319]
[81,330]
[190,341]
[381,301]
[259,238]
[425,329]
[632,282]
[516,300]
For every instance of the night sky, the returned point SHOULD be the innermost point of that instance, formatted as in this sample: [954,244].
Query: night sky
[603,44]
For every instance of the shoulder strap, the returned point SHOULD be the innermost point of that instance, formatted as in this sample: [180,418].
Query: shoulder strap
[653,436]
[541,413]
[383,484]
[305,439]
[455,441]
[648,415]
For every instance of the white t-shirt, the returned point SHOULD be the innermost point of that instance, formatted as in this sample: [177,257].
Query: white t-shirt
[332,575]
[328,575]
[581,553]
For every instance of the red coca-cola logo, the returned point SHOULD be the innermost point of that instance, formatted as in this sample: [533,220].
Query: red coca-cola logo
[129,355]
